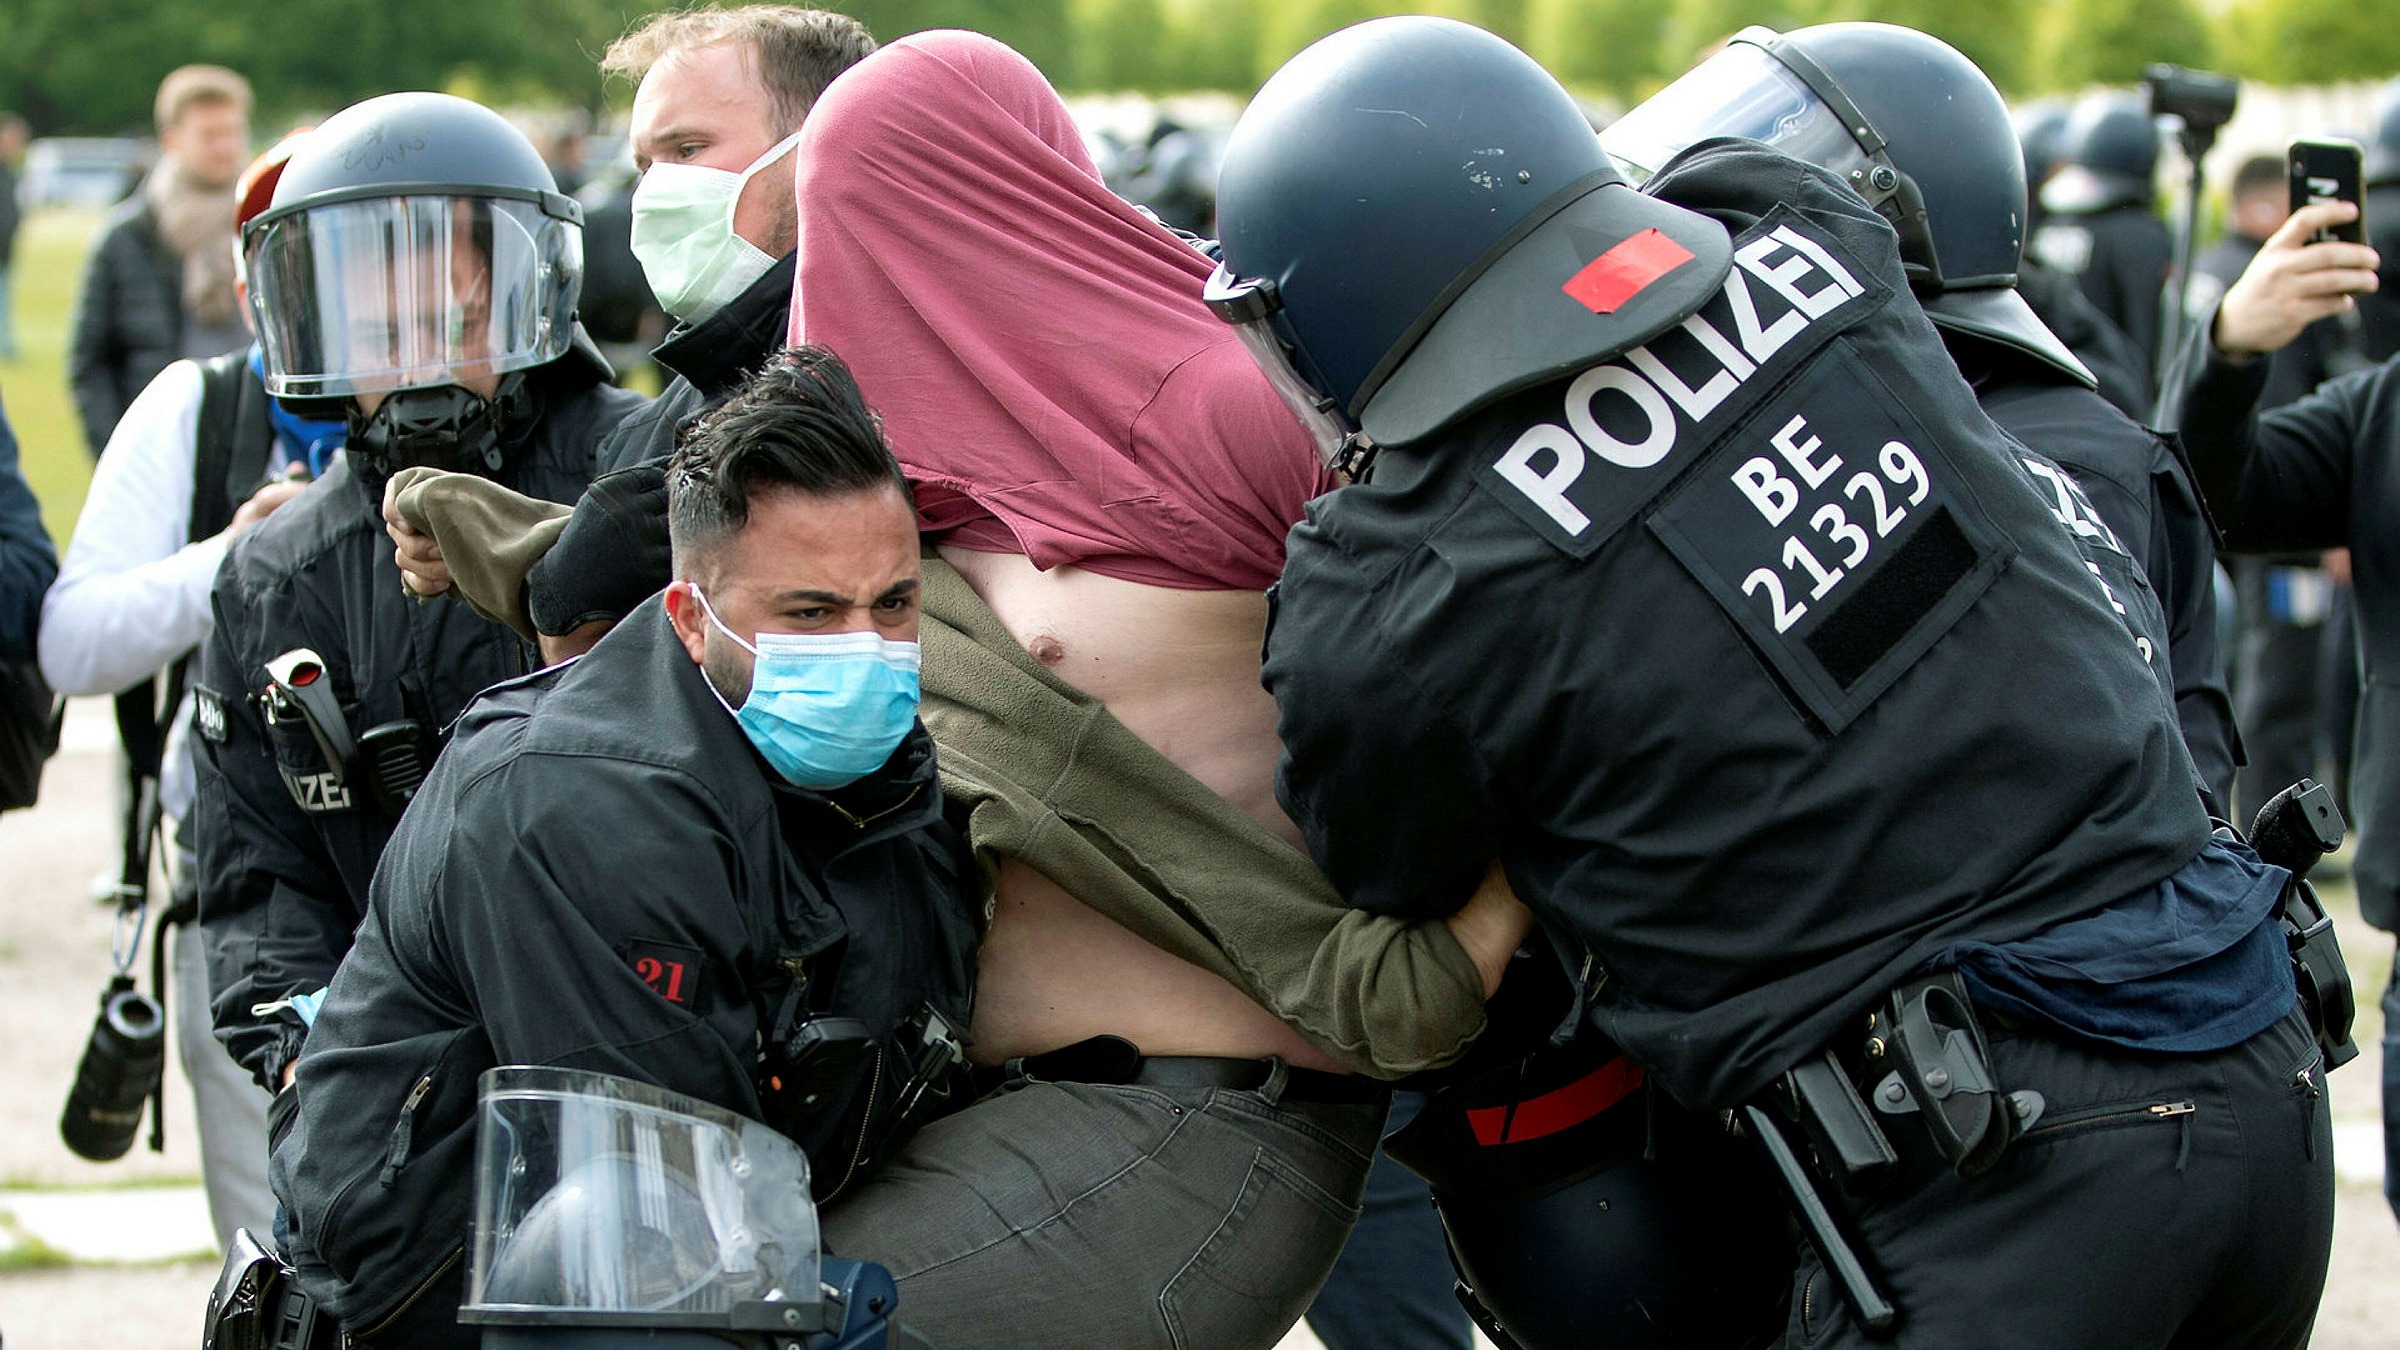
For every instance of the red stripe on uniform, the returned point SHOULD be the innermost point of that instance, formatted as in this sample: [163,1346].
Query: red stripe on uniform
[1564,1108]
[1608,281]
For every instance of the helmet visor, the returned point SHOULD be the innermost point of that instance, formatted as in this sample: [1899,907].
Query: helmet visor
[389,293]
[1249,307]
[1741,91]
[598,1197]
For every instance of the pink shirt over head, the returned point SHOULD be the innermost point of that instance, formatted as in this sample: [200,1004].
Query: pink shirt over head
[1036,347]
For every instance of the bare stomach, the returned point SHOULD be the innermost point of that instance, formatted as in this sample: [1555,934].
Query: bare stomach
[1180,670]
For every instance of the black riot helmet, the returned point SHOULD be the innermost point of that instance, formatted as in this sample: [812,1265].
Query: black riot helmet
[1909,123]
[1417,221]
[2041,126]
[1583,1207]
[2383,148]
[416,257]
[2110,153]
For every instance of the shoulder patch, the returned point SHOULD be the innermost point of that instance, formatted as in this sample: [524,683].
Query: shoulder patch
[672,970]
[1631,425]
[1837,535]
[208,714]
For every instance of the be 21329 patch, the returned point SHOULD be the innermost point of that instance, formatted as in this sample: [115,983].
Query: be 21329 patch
[1838,536]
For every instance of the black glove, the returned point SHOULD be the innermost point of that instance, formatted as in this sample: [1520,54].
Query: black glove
[612,556]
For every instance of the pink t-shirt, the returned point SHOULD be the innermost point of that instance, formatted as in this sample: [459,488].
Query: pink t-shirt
[1036,347]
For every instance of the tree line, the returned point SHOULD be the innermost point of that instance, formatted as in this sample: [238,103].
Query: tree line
[90,66]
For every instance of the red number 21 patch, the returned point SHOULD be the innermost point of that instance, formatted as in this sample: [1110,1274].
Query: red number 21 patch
[671,971]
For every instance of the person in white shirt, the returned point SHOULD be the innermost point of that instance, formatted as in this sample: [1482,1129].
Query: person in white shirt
[133,598]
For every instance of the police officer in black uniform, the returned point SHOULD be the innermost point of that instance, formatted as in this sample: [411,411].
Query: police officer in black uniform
[604,873]
[417,273]
[1690,581]
[2039,127]
[2101,227]
[1929,130]
[2112,358]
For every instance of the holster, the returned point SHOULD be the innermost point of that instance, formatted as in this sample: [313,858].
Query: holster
[1927,1039]
[258,1304]
[2294,830]
[2319,971]
[1925,1055]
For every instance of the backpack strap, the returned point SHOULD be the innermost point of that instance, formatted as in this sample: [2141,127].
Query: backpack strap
[234,441]
[229,462]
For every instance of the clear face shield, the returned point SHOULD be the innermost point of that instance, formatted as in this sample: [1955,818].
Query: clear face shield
[385,293]
[1747,91]
[604,1201]
[1250,305]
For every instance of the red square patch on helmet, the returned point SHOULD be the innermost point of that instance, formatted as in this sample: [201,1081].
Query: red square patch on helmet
[1608,281]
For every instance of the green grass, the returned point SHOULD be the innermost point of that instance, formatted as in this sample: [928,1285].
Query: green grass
[20,1250]
[48,266]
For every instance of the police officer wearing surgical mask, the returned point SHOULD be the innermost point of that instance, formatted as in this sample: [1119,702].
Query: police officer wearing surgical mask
[416,274]
[1945,157]
[715,121]
[1688,581]
[710,856]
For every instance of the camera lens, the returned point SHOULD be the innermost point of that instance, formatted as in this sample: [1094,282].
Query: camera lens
[120,1070]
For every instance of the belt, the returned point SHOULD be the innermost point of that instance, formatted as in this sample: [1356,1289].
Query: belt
[1115,1060]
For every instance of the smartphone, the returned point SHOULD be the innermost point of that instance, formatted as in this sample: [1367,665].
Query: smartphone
[2324,171]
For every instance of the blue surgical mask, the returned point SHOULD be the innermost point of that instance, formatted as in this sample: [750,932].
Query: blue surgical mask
[825,709]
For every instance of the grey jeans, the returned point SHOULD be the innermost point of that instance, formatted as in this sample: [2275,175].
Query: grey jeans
[231,1107]
[1077,1214]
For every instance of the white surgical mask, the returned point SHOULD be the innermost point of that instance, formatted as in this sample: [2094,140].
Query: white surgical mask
[683,235]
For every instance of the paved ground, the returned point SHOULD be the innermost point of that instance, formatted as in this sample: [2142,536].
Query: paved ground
[117,1255]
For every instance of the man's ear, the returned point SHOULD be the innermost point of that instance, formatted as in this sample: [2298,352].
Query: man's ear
[690,621]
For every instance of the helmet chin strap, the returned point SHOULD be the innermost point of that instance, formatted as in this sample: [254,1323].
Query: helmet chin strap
[446,427]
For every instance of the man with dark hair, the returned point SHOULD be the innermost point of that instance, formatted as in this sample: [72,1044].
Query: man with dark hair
[2294,628]
[721,100]
[625,864]
[2318,472]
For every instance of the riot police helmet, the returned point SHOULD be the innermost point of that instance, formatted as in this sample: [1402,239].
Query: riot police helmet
[2041,127]
[1562,1159]
[1417,221]
[2110,153]
[2383,147]
[413,241]
[1909,122]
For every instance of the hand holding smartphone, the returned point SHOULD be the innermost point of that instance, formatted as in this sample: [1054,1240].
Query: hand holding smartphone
[2323,171]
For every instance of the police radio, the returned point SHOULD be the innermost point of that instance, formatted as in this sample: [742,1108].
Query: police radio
[297,691]
[389,761]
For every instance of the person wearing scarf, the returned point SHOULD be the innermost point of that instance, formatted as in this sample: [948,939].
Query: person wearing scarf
[158,284]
